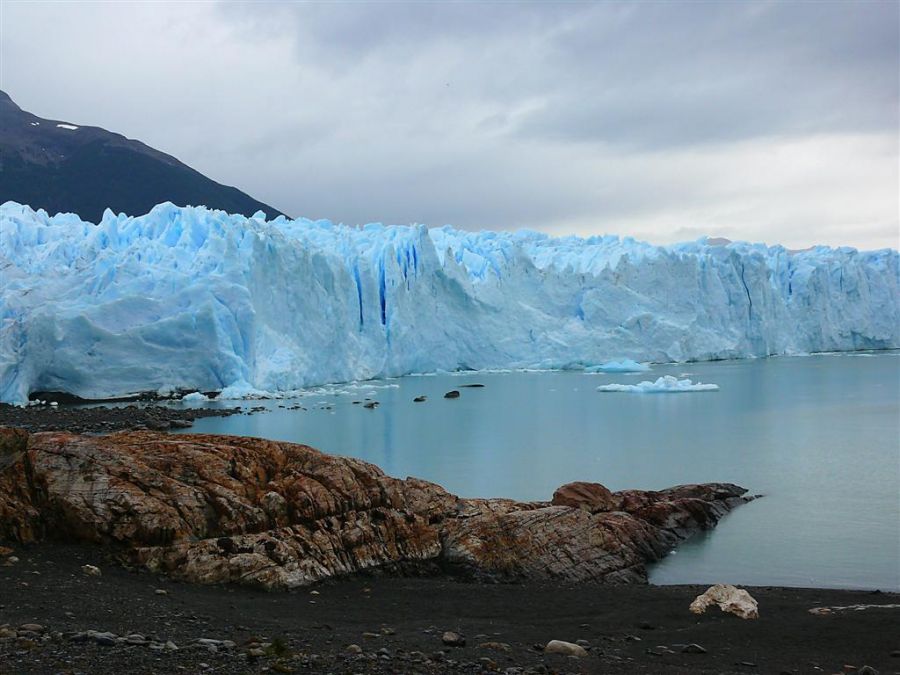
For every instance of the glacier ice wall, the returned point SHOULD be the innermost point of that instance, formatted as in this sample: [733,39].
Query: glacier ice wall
[198,299]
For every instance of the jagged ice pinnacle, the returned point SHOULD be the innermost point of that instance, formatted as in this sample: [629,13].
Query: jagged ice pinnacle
[188,298]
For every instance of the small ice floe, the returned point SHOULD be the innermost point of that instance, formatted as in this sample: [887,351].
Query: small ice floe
[195,396]
[35,124]
[624,366]
[70,127]
[666,384]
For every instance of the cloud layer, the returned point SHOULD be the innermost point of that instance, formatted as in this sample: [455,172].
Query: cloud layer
[765,121]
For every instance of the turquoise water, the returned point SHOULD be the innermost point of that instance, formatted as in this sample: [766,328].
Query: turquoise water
[817,435]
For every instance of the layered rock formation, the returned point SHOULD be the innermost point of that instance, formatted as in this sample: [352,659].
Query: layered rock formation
[214,509]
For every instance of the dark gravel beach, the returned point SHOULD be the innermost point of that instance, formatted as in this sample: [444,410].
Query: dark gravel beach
[105,418]
[397,625]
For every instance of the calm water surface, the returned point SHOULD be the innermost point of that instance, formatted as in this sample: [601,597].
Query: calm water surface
[819,436]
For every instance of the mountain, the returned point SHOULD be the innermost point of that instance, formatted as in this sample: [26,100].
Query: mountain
[62,167]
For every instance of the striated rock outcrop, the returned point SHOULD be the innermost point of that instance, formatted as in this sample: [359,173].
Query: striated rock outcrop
[214,509]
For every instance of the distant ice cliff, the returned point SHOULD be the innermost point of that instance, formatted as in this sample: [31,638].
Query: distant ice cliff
[198,299]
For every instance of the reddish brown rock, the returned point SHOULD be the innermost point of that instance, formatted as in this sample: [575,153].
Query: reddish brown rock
[591,497]
[217,509]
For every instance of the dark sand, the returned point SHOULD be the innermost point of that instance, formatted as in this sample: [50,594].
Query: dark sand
[621,624]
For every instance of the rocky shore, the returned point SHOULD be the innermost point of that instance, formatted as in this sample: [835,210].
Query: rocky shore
[100,535]
[55,619]
[106,418]
[215,509]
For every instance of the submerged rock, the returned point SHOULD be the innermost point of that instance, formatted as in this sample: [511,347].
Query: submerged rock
[214,509]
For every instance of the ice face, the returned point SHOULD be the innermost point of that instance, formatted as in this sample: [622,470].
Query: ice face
[624,366]
[193,299]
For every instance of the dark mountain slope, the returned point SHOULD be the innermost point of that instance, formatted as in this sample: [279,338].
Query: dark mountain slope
[60,167]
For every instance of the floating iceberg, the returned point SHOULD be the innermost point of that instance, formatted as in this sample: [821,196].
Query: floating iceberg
[195,396]
[666,384]
[624,366]
[194,299]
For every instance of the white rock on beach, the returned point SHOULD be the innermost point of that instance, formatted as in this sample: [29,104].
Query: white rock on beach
[730,599]
[565,648]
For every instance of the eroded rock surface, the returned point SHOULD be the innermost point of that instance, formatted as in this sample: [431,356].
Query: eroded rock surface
[217,509]
[729,599]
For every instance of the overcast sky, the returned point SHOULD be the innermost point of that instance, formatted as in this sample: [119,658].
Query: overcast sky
[763,121]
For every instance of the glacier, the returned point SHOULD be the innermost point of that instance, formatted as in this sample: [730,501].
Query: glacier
[626,366]
[191,299]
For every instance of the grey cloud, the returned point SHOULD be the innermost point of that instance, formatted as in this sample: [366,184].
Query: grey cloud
[761,120]
[672,74]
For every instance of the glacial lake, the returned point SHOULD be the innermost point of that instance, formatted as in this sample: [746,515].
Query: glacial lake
[818,436]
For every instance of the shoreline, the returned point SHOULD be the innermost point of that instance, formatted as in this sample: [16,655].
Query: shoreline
[397,623]
[154,398]
[108,419]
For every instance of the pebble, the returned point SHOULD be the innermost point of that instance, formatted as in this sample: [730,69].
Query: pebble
[32,627]
[867,670]
[498,646]
[354,649]
[693,648]
[91,571]
[453,639]
[565,648]
[104,639]
[161,591]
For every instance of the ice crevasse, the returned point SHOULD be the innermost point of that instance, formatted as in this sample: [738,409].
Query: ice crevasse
[195,299]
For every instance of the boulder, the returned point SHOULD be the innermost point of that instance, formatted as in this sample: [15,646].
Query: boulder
[218,509]
[591,497]
[565,648]
[729,599]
